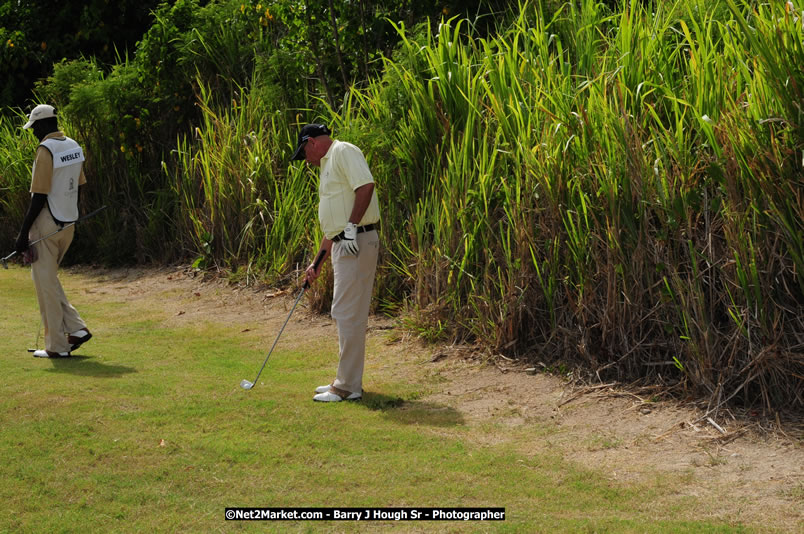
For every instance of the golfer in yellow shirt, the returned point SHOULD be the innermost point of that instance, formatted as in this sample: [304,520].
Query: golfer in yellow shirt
[349,213]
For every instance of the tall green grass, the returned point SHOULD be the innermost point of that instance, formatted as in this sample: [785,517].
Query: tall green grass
[620,187]
[617,187]
[237,204]
[17,149]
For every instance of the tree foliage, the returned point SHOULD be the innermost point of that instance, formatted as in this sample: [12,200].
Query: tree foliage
[35,35]
[323,45]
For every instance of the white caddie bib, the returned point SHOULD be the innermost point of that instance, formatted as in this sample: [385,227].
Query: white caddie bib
[68,158]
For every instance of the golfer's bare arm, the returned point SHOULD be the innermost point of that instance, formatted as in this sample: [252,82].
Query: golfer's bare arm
[362,201]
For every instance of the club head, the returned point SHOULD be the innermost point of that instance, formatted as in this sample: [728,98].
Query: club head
[31,350]
[245,384]
[5,263]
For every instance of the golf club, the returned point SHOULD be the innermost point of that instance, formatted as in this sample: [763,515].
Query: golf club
[245,384]
[39,331]
[4,261]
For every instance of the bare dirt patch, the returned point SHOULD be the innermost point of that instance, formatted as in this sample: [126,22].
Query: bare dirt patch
[737,470]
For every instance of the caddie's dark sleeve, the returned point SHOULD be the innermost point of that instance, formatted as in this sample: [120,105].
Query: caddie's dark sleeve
[38,202]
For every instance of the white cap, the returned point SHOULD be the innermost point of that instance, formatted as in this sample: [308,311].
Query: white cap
[42,111]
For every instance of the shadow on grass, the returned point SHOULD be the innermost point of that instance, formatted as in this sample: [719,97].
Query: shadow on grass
[87,366]
[412,412]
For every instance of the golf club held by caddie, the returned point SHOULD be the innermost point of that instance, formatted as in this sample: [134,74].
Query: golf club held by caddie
[32,243]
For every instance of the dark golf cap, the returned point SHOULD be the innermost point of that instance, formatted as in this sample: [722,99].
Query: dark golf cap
[308,131]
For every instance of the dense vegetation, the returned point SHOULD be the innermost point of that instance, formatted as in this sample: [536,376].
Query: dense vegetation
[618,186]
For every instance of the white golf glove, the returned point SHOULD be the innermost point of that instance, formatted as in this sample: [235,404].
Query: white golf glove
[349,241]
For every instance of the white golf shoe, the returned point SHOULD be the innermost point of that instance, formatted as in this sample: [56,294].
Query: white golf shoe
[331,396]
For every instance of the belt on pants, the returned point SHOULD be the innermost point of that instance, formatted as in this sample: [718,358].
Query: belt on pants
[360,230]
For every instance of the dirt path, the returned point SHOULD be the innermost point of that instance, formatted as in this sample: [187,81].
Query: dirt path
[735,471]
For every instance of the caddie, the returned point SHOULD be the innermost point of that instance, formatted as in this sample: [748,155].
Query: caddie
[56,177]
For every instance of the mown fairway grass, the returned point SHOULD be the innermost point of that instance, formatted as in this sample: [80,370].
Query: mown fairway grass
[82,450]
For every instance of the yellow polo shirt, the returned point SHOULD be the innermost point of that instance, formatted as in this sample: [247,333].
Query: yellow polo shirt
[42,174]
[343,169]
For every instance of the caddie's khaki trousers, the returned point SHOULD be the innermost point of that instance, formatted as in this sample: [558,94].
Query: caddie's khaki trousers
[351,301]
[58,316]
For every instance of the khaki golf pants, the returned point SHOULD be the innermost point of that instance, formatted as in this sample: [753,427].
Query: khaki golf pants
[58,316]
[351,301]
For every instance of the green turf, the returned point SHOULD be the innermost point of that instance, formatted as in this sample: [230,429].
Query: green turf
[147,430]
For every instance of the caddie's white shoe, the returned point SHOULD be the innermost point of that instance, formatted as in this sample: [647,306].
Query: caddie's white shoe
[48,354]
[331,396]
